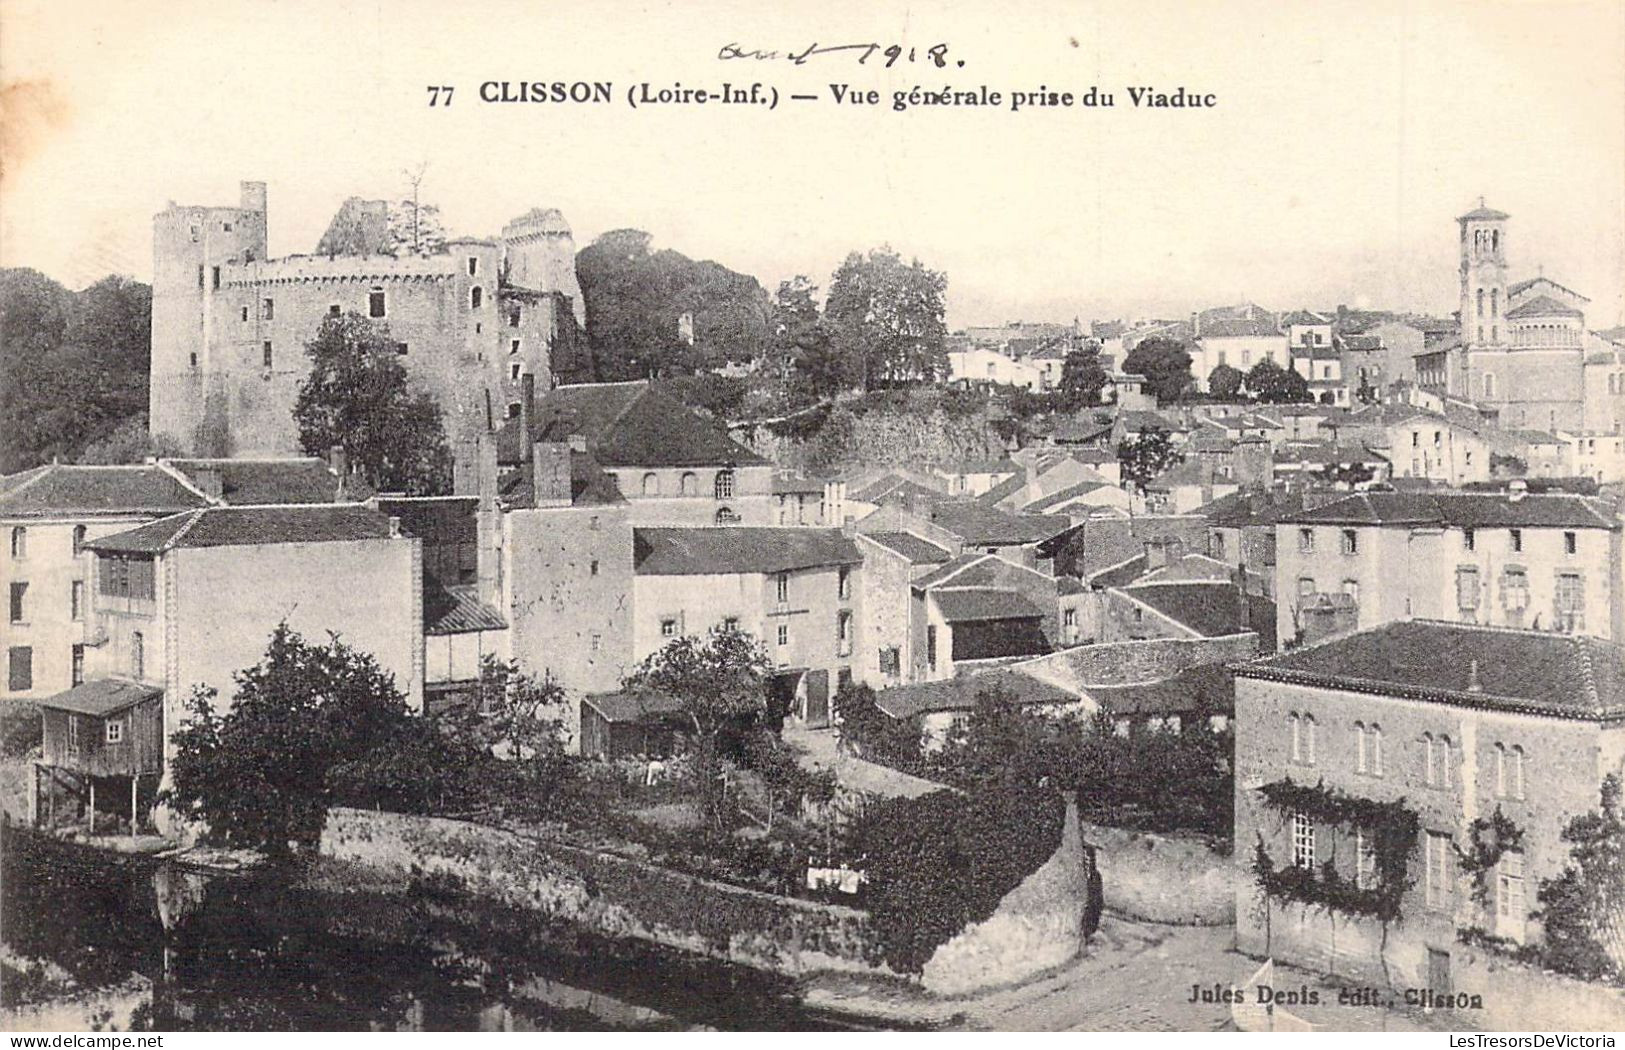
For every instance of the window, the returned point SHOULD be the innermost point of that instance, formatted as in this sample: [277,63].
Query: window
[138,656]
[688,484]
[1308,740]
[19,542]
[126,577]
[1500,771]
[115,731]
[401,349]
[20,668]
[516,371]
[1438,859]
[1352,589]
[1515,772]
[1306,541]
[1443,763]
[513,320]
[1359,747]
[375,303]
[1306,587]
[19,592]
[592,568]
[1571,543]
[781,584]
[1469,539]
[725,484]
[78,665]
[513,346]
[1365,859]
[726,516]
[76,600]
[1351,542]
[73,732]
[513,410]
[596,642]
[1517,539]
[1303,841]
[1374,749]
[1467,588]
[843,634]
[200,275]
[216,278]
[1570,601]
[668,627]
[265,353]
[730,623]
[651,484]
[1511,907]
[592,523]
[243,315]
[476,296]
[333,310]
[267,309]
[784,634]
[473,266]
[1514,589]
[226,226]
[931,646]
[891,661]
[843,583]
[78,540]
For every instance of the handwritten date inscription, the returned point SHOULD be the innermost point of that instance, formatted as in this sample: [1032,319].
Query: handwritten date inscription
[936,54]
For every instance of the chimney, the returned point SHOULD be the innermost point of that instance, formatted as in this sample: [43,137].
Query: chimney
[394,527]
[1517,489]
[550,473]
[1473,684]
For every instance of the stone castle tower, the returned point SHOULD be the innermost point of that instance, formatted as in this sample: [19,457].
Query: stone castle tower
[230,326]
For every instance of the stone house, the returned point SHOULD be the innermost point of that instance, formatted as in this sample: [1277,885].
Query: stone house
[1448,724]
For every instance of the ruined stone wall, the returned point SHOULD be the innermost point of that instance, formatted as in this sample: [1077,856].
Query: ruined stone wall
[1176,879]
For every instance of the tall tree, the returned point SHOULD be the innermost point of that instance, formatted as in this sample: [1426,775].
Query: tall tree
[1082,379]
[801,350]
[887,317]
[357,397]
[1272,384]
[1144,457]
[1166,365]
[718,681]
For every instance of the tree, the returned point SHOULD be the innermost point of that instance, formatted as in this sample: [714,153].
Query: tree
[717,681]
[357,397]
[518,717]
[1224,382]
[1147,456]
[257,775]
[800,345]
[1166,365]
[886,319]
[1349,474]
[129,442]
[73,366]
[1583,910]
[1272,384]
[1082,379]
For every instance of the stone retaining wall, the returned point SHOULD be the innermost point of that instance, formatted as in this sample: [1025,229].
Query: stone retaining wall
[1163,878]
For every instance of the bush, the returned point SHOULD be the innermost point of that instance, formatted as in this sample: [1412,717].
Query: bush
[22,729]
[870,733]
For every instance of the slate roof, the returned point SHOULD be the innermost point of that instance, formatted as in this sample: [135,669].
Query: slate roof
[1463,510]
[791,484]
[734,550]
[247,481]
[967,604]
[1124,572]
[633,707]
[633,425]
[1082,488]
[1004,489]
[1362,342]
[457,610]
[1543,306]
[1177,694]
[1238,327]
[956,565]
[896,488]
[1212,610]
[61,490]
[1519,286]
[589,485]
[1537,672]
[984,526]
[1304,317]
[249,526]
[101,697]
[918,551]
[1190,568]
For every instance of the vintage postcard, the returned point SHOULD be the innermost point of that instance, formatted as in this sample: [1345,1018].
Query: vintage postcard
[573,517]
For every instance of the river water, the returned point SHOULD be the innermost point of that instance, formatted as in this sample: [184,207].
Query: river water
[315,949]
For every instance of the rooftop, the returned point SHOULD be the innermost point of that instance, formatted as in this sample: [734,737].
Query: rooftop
[249,526]
[918,551]
[101,697]
[1534,672]
[985,526]
[1543,306]
[458,610]
[60,490]
[255,481]
[633,425]
[1211,609]
[1463,510]
[734,550]
[968,604]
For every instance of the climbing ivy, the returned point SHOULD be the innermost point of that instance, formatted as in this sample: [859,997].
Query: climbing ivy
[1487,839]
[1393,827]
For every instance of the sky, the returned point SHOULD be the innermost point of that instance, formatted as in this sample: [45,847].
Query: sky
[1345,139]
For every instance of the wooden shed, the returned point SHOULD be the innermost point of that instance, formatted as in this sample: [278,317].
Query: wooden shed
[624,725]
[107,729]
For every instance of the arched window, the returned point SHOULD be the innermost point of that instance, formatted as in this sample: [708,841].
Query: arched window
[726,517]
[1308,740]
[1430,773]
[138,656]
[1359,747]
[19,542]
[1500,771]
[1295,725]
[1375,749]
[78,540]
[651,484]
[1489,384]
[1481,302]
[1495,302]
[689,485]
[476,296]
[1495,240]
[1515,778]
[725,484]
[1445,775]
